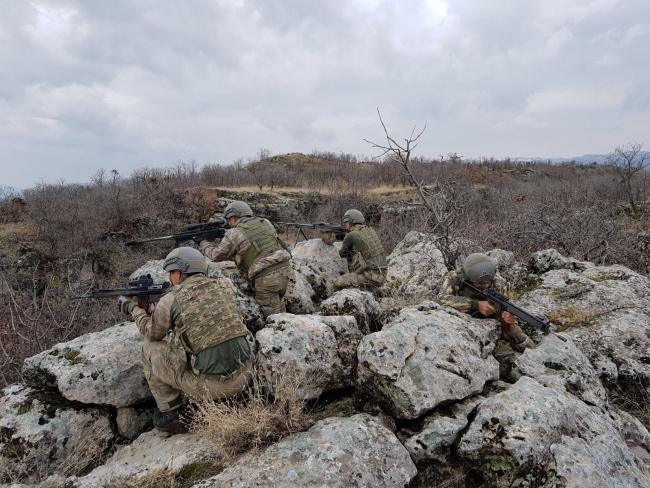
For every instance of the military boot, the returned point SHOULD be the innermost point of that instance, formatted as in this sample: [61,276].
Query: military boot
[169,421]
[521,347]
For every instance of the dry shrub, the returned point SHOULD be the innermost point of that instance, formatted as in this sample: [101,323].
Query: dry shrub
[565,318]
[633,396]
[256,418]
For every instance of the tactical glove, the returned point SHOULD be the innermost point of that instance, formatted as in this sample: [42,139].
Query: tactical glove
[125,305]
[198,239]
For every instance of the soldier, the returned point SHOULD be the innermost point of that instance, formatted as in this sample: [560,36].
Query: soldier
[206,353]
[259,254]
[481,272]
[364,252]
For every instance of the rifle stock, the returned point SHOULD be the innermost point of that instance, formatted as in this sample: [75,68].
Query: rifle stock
[503,304]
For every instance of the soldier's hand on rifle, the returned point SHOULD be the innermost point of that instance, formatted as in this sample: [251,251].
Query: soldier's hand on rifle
[198,240]
[125,305]
[508,318]
[485,308]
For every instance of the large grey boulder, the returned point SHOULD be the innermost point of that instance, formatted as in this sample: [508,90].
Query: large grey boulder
[426,356]
[543,261]
[320,350]
[40,434]
[100,368]
[131,422]
[530,428]
[415,266]
[562,365]
[152,452]
[320,264]
[606,311]
[336,452]
[300,295]
[360,304]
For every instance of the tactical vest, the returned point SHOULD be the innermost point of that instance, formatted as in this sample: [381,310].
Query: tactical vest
[373,253]
[261,234]
[209,313]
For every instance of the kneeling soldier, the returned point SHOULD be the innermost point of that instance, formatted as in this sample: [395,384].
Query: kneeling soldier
[364,252]
[195,339]
[259,253]
[480,271]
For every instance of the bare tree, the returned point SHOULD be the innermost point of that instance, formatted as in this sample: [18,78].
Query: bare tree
[442,200]
[627,160]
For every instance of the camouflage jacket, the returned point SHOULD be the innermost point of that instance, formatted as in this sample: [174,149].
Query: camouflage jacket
[234,245]
[453,294]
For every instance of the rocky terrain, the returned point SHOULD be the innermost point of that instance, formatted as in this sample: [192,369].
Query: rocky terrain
[439,399]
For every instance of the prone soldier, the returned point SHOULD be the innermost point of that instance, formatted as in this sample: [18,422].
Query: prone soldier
[258,252]
[195,339]
[479,270]
[364,252]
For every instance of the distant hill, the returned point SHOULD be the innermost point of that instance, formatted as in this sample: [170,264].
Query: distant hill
[586,159]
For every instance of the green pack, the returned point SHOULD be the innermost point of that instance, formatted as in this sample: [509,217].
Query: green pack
[264,241]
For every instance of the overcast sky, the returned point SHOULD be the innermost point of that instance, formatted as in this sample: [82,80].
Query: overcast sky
[123,84]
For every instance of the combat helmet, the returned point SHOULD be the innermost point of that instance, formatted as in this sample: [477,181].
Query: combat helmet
[237,209]
[187,260]
[353,216]
[478,268]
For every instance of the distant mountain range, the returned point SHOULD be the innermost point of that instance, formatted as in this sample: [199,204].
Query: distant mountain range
[586,159]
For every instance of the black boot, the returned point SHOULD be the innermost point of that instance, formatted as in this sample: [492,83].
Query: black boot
[169,421]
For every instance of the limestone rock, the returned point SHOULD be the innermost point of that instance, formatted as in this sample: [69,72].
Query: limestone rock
[501,259]
[41,432]
[335,452]
[543,261]
[360,304]
[150,453]
[131,422]
[528,427]
[82,369]
[558,364]
[300,295]
[320,264]
[416,266]
[320,349]
[424,357]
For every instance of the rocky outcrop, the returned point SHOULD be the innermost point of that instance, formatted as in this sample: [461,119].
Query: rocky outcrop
[82,371]
[543,261]
[131,422]
[336,452]
[415,266]
[529,429]
[426,356]
[152,453]
[606,313]
[318,350]
[320,265]
[360,304]
[41,433]
[561,365]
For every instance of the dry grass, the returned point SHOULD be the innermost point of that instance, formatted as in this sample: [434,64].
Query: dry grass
[257,418]
[632,396]
[569,317]
[187,476]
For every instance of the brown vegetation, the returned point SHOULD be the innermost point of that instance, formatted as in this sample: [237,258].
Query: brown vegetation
[57,240]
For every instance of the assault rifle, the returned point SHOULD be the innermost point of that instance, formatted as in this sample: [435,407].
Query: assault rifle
[322,227]
[502,304]
[144,289]
[206,230]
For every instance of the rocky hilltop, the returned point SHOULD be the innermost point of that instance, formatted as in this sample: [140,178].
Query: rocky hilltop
[439,400]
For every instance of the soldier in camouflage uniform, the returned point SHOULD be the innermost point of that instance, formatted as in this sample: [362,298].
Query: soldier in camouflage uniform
[259,254]
[364,252]
[481,272]
[195,339]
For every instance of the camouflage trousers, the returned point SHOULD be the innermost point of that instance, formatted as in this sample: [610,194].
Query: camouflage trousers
[370,278]
[513,333]
[271,288]
[168,374]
